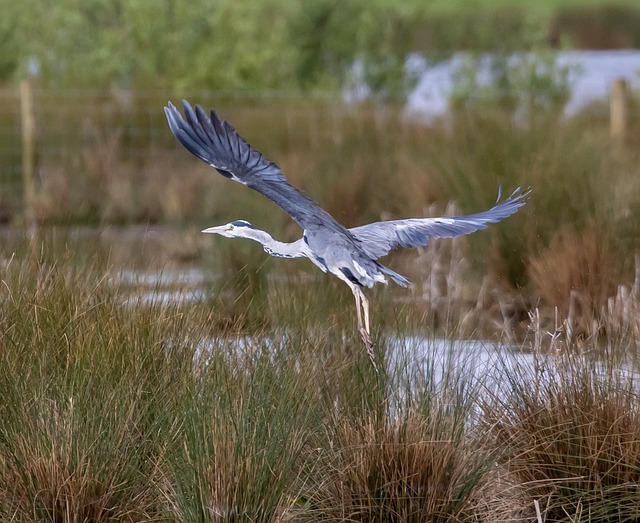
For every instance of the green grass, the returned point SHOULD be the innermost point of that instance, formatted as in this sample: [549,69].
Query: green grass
[122,410]
[462,5]
[545,7]
[88,387]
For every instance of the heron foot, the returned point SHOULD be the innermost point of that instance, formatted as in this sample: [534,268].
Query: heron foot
[368,343]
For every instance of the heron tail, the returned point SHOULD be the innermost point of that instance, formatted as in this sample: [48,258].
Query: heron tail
[398,278]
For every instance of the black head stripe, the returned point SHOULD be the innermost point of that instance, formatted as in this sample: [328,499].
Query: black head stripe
[242,223]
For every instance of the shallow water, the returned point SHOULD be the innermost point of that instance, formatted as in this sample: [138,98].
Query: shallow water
[589,79]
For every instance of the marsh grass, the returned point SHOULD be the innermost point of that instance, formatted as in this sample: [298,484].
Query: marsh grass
[569,430]
[415,459]
[577,234]
[579,273]
[88,389]
[242,437]
[411,469]
[122,410]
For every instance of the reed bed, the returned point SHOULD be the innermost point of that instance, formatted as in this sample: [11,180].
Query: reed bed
[122,410]
[569,430]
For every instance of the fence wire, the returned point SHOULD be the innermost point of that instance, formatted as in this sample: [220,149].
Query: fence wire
[72,124]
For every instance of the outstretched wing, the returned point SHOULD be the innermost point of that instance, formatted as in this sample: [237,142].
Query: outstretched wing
[377,239]
[217,143]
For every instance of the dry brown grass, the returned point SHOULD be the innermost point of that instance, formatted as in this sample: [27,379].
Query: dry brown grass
[577,274]
[108,187]
[48,475]
[420,464]
[569,433]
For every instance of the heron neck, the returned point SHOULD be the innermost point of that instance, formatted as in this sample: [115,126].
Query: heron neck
[275,247]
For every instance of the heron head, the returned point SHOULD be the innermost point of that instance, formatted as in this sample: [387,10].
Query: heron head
[236,229]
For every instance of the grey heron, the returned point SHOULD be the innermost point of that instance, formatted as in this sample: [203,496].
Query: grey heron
[349,254]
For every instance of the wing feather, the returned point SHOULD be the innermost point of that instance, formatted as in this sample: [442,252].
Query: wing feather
[378,239]
[217,143]
[194,130]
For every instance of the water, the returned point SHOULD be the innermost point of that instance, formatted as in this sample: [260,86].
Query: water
[483,360]
[590,76]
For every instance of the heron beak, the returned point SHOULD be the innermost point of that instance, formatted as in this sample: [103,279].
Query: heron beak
[215,230]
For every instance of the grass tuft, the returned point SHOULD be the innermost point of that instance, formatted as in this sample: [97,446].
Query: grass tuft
[245,425]
[570,438]
[414,460]
[89,386]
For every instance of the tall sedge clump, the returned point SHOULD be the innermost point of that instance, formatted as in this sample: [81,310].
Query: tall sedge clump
[569,434]
[577,275]
[88,387]
[414,460]
[240,442]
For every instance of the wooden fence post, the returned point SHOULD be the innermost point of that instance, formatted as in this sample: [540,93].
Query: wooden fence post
[28,147]
[619,109]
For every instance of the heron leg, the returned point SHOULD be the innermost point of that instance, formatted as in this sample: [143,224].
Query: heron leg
[365,309]
[365,333]
[358,296]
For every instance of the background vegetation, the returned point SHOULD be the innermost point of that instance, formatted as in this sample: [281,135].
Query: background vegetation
[105,156]
[572,247]
[282,44]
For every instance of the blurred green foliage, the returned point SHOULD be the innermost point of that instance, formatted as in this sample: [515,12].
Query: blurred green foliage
[289,45]
[214,44]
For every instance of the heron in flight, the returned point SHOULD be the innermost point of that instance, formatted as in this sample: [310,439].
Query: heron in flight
[349,254]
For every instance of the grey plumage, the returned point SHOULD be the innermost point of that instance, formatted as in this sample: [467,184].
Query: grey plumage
[217,143]
[349,254]
[379,238]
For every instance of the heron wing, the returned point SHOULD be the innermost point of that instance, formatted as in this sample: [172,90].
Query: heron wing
[378,239]
[218,144]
